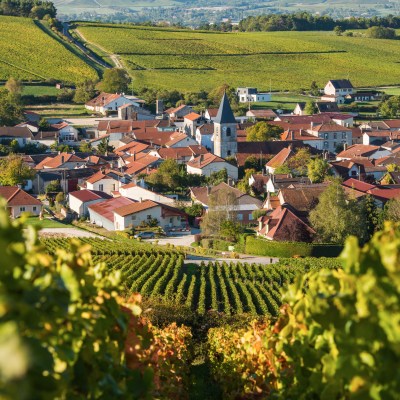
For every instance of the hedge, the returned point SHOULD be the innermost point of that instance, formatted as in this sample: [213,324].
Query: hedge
[263,247]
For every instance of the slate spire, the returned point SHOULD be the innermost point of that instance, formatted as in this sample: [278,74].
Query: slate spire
[225,114]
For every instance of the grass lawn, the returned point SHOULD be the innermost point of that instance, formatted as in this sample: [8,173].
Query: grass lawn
[60,110]
[46,223]
[284,101]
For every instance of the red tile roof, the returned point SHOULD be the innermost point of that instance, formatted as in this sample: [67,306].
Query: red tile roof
[59,160]
[135,207]
[358,150]
[103,99]
[192,116]
[204,160]
[358,185]
[89,195]
[280,158]
[18,197]
[106,208]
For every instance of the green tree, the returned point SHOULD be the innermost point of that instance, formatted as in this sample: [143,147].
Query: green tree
[314,89]
[310,108]
[262,132]
[392,210]
[60,198]
[335,217]
[85,147]
[11,111]
[84,91]
[380,32]
[389,108]
[168,176]
[104,147]
[372,216]
[298,163]
[14,171]
[317,170]
[215,96]
[216,178]
[115,80]
[14,86]
[338,30]
[43,124]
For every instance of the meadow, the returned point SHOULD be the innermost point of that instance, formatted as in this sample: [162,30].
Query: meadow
[193,60]
[28,53]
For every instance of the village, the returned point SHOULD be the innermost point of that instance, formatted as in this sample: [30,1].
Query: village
[152,175]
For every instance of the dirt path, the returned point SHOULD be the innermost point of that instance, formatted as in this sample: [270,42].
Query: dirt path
[114,57]
[66,232]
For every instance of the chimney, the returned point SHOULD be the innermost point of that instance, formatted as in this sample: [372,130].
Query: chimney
[312,125]
[134,156]
[140,200]
[344,146]
[201,158]
[62,159]
[301,132]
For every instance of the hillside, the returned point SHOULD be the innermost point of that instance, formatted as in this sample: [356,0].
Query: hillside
[28,53]
[191,61]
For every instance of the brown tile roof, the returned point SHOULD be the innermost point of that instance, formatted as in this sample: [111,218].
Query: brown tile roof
[212,112]
[204,160]
[280,158]
[103,99]
[303,198]
[175,138]
[98,176]
[330,127]
[358,185]
[206,129]
[192,116]
[358,150]
[392,123]
[385,194]
[298,134]
[267,114]
[175,110]
[59,160]
[15,132]
[18,197]
[181,152]
[135,207]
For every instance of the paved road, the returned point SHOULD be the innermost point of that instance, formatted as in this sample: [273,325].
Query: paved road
[66,232]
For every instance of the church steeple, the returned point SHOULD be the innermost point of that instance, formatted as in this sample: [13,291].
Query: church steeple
[225,114]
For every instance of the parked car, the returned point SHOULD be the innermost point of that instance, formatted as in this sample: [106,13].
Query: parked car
[145,235]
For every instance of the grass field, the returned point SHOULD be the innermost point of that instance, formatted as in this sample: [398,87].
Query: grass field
[28,53]
[190,60]
[46,223]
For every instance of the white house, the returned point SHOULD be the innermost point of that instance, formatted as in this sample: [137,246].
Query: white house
[251,95]
[138,193]
[109,102]
[179,139]
[18,201]
[204,135]
[339,89]
[333,135]
[106,181]
[208,163]
[134,214]
[80,200]
[67,133]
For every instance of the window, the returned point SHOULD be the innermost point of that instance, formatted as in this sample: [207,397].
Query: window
[133,217]
[113,186]
[353,173]
[240,217]
[334,145]
[34,208]
[101,187]
[22,209]
[171,220]
[344,135]
[228,131]
[334,135]
[326,136]
[149,217]
[326,145]
[250,217]
[228,153]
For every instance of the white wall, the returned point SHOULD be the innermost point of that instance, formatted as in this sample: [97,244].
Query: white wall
[109,185]
[16,211]
[137,193]
[215,167]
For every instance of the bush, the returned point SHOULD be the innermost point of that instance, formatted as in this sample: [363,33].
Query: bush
[263,247]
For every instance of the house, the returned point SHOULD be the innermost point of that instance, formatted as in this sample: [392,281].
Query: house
[107,181]
[358,167]
[191,121]
[21,134]
[259,182]
[362,96]
[283,225]
[66,132]
[134,214]
[206,164]
[362,150]
[210,114]
[102,213]
[181,154]
[18,201]
[204,136]
[322,107]
[251,95]
[378,138]
[281,181]
[80,200]
[278,160]
[179,139]
[108,102]
[339,89]
[261,115]
[179,112]
[243,209]
[138,193]
[133,112]
[61,160]
[333,135]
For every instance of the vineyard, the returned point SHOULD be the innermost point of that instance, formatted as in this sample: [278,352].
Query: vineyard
[231,288]
[28,53]
[193,60]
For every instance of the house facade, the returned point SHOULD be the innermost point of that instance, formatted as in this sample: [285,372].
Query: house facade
[18,201]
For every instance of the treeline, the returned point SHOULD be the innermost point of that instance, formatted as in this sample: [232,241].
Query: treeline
[28,8]
[303,21]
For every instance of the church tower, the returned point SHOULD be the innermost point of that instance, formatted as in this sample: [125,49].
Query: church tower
[225,135]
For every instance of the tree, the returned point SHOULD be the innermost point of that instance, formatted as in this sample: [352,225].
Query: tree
[60,198]
[103,147]
[338,30]
[262,132]
[85,147]
[298,163]
[43,124]
[13,171]
[380,32]
[389,108]
[115,80]
[257,163]
[84,91]
[216,94]
[317,170]
[335,217]
[282,170]
[11,111]
[314,89]
[14,86]
[392,210]
[372,216]
[310,108]
[216,178]
[221,208]
[167,177]
[54,187]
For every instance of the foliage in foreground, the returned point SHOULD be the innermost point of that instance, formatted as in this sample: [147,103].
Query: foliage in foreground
[339,339]
[66,333]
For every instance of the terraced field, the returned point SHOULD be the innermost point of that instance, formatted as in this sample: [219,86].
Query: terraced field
[190,60]
[28,53]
